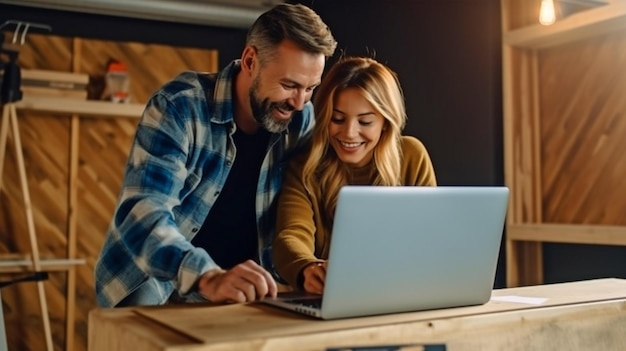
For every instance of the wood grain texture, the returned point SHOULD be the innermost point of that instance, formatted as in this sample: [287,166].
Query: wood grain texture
[262,321]
[565,132]
[583,131]
[522,162]
[103,148]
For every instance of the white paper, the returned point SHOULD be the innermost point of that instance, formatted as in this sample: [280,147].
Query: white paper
[520,299]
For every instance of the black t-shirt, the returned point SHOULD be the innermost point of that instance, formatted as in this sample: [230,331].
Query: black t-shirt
[229,233]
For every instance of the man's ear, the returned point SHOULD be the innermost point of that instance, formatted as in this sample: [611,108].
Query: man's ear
[249,62]
[248,58]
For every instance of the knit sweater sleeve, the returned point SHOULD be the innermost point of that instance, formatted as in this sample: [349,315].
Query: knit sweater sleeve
[417,168]
[294,244]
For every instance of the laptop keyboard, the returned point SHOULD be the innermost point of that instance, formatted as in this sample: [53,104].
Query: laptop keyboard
[314,302]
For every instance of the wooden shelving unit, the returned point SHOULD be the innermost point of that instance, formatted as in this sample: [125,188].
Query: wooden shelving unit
[15,263]
[76,152]
[526,228]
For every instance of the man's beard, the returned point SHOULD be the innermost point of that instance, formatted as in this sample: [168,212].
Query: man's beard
[262,111]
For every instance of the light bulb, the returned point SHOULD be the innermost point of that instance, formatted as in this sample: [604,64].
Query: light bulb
[547,16]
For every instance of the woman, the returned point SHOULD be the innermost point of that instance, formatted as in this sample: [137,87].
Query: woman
[357,140]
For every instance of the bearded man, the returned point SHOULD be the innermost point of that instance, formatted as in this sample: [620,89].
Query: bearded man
[195,215]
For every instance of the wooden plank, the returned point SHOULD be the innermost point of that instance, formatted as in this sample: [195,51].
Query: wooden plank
[86,108]
[55,76]
[72,209]
[512,269]
[535,147]
[533,252]
[513,263]
[568,233]
[524,259]
[30,222]
[585,24]
[36,92]
[24,265]
[507,121]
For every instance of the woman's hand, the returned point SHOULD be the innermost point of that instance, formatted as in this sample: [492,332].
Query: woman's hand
[314,276]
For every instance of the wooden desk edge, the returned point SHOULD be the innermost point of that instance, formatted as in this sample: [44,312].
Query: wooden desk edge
[117,329]
[597,325]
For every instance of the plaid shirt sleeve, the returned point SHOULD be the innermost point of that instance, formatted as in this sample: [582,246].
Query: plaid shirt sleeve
[145,238]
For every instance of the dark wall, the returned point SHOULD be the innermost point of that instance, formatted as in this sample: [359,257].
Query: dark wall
[447,55]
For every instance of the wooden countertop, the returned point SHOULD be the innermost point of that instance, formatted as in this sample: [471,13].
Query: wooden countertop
[580,315]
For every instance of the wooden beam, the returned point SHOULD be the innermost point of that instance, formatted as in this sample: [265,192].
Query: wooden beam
[585,24]
[568,233]
[10,113]
[72,209]
[17,265]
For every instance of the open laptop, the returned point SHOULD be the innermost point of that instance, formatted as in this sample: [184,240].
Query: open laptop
[401,249]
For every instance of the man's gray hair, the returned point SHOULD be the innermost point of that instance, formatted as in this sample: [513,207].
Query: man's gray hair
[297,23]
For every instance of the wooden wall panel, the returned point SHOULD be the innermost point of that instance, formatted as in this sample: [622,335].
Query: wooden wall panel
[103,148]
[568,118]
[583,131]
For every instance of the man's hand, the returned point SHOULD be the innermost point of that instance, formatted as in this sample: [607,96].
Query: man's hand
[245,282]
[314,276]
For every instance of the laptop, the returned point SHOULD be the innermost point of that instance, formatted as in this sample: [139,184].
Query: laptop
[401,249]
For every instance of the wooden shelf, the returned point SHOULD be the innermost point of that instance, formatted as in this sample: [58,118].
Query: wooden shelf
[568,233]
[85,108]
[23,265]
[586,24]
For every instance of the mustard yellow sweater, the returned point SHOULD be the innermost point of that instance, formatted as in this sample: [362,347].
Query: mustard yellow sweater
[301,237]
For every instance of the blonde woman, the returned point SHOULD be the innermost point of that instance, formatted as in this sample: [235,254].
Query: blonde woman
[360,115]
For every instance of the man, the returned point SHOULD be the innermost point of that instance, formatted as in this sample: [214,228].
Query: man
[195,215]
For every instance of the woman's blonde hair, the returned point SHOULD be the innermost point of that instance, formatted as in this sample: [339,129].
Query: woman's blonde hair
[379,85]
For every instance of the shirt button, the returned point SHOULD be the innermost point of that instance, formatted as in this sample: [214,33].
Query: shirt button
[216,193]
[194,230]
[229,162]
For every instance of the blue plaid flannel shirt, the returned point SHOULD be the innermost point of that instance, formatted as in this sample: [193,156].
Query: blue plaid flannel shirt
[178,164]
